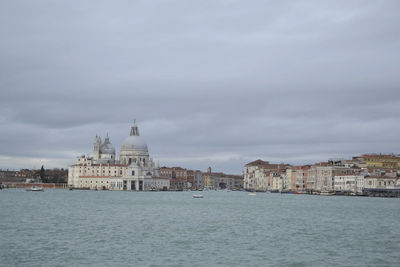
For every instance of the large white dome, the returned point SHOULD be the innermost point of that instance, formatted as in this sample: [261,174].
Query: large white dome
[134,142]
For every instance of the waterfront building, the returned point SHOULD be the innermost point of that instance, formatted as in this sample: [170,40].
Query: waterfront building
[291,174]
[209,182]
[381,182]
[220,180]
[302,173]
[324,176]
[379,161]
[349,183]
[276,180]
[190,179]
[7,175]
[333,175]
[198,182]
[229,181]
[257,175]
[287,180]
[312,179]
[134,170]
[177,176]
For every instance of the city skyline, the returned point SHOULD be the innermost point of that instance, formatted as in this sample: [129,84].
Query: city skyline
[218,83]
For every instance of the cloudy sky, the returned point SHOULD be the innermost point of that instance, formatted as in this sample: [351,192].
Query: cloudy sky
[211,83]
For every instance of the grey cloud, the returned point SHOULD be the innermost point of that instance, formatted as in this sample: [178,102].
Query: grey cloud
[212,83]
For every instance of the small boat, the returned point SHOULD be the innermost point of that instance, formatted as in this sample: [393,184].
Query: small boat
[252,194]
[35,188]
[326,193]
[198,196]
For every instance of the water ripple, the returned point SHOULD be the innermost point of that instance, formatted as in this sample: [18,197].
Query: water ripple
[81,228]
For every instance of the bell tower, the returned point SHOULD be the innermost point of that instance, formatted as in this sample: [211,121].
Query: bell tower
[96,148]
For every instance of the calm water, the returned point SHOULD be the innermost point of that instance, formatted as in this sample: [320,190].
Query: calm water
[72,228]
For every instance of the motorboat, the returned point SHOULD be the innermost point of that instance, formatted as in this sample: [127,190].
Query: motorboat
[326,193]
[198,196]
[35,188]
[252,194]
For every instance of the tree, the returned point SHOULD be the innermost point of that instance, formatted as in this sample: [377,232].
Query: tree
[42,174]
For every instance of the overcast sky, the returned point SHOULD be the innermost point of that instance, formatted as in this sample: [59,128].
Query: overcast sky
[211,83]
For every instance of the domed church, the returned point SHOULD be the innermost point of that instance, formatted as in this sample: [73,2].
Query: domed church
[134,148]
[134,170]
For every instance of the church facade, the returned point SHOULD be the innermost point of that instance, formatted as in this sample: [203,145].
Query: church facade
[134,170]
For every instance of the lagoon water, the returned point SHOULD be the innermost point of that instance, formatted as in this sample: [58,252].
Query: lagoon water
[105,228]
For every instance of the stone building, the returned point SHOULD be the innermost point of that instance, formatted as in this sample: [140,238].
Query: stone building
[379,161]
[257,175]
[276,182]
[134,170]
[349,183]
[381,182]
[321,175]
[220,180]
[177,176]
[198,182]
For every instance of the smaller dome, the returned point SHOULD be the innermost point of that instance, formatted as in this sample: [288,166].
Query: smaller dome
[107,147]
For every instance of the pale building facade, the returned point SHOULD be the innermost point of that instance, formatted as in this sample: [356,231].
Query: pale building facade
[220,180]
[134,170]
[286,180]
[257,175]
[277,181]
[349,183]
[198,181]
[381,182]
[302,178]
[322,176]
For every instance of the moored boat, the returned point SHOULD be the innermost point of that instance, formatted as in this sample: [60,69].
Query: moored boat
[35,188]
[326,193]
[198,196]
